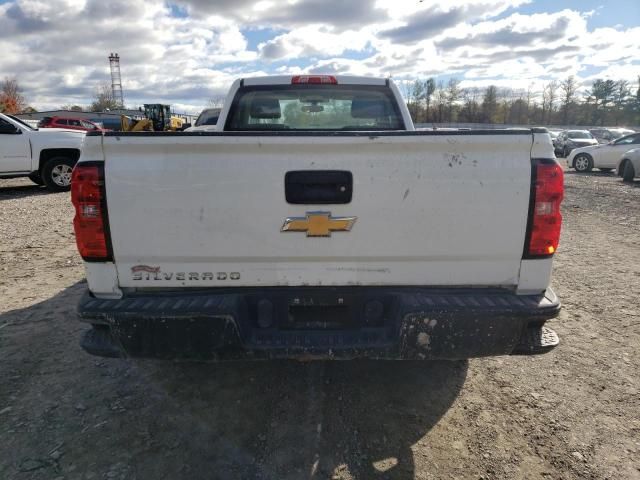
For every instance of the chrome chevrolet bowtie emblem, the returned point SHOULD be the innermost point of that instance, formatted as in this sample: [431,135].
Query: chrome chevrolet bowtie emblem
[318,224]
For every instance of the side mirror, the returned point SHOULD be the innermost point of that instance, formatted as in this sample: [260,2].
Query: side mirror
[10,129]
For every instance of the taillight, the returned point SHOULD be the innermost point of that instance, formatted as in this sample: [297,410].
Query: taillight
[314,79]
[545,218]
[90,221]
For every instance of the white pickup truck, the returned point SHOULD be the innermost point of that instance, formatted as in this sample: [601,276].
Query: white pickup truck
[46,156]
[317,223]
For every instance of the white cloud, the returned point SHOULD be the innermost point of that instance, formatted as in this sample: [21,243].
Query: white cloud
[313,41]
[58,48]
[417,21]
[341,14]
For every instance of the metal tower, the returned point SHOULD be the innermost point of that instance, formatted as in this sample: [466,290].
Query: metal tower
[116,80]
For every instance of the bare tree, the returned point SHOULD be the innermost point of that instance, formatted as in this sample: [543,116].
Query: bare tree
[429,89]
[405,89]
[216,101]
[470,104]
[72,108]
[554,101]
[440,99]
[504,95]
[103,99]
[549,97]
[529,98]
[417,94]
[568,87]
[11,99]
[453,94]
[490,105]
[514,106]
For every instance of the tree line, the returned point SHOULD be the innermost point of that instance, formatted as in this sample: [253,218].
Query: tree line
[12,100]
[606,102]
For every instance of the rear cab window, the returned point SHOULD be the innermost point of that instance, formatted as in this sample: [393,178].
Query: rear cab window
[314,107]
[212,120]
[208,117]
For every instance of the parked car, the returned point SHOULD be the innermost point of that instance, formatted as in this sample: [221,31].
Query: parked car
[606,135]
[555,141]
[70,124]
[207,120]
[570,139]
[316,222]
[46,156]
[629,165]
[604,157]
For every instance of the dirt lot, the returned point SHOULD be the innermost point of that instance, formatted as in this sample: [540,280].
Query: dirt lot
[570,414]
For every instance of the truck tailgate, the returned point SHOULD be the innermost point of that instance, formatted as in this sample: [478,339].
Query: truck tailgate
[207,210]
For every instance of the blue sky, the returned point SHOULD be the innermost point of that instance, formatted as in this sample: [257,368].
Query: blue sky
[606,13]
[186,52]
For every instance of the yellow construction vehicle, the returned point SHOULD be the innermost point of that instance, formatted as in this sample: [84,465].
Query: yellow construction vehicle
[157,119]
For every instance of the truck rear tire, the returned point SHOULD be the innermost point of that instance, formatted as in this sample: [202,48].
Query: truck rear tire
[56,174]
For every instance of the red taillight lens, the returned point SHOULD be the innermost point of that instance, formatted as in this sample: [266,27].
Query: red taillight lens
[314,79]
[546,221]
[87,196]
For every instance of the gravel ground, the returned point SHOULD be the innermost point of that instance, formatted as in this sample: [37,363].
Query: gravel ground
[570,414]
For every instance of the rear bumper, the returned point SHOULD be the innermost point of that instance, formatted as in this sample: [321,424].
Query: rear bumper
[317,322]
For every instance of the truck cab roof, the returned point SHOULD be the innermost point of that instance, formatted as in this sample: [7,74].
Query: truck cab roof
[349,84]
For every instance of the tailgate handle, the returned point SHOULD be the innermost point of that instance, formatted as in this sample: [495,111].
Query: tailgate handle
[318,186]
